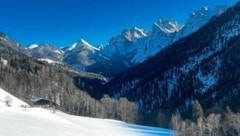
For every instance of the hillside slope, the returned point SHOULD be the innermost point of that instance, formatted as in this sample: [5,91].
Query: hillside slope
[202,66]
[18,121]
[28,78]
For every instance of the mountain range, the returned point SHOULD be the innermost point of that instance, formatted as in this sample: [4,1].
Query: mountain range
[125,50]
[202,66]
[162,70]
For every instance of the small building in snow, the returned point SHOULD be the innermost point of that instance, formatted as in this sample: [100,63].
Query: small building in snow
[46,103]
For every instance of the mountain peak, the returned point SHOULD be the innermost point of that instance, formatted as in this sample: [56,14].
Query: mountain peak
[134,33]
[209,11]
[84,42]
[198,18]
[32,46]
[138,32]
[129,35]
[81,44]
[167,25]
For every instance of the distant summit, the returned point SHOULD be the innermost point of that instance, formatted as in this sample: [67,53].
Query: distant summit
[199,18]
[126,49]
[167,25]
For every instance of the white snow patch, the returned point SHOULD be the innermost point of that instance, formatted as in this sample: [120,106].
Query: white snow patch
[83,43]
[58,51]
[49,61]
[15,101]
[206,8]
[234,29]
[141,31]
[32,46]
[89,45]
[192,63]
[3,39]
[207,80]
[73,46]
[4,62]
[167,26]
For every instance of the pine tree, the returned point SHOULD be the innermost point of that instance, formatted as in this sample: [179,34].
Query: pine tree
[228,110]
[227,113]
[197,111]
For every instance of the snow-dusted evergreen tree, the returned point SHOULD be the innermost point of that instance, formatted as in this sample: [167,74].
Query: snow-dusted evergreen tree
[197,112]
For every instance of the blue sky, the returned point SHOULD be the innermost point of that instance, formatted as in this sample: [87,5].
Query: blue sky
[62,22]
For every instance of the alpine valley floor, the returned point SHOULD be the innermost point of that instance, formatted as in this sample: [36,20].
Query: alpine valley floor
[17,120]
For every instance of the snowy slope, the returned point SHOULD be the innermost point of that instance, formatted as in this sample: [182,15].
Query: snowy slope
[49,61]
[17,121]
[199,18]
[15,101]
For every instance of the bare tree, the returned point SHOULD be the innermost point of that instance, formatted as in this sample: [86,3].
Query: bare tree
[175,122]
[213,125]
[8,100]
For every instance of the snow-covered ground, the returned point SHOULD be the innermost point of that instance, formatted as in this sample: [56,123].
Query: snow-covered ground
[49,61]
[17,120]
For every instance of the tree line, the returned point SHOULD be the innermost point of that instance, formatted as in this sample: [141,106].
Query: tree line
[25,78]
[224,123]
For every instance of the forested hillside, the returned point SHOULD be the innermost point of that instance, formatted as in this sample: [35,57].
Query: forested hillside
[203,66]
[27,78]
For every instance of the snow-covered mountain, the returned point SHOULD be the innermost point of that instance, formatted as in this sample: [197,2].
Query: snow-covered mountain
[199,18]
[19,119]
[79,45]
[166,31]
[123,48]
[81,55]
[203,66]
[127,49]
[133,46]
[44,51]
[124,43]
[11,43]
[162,34]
